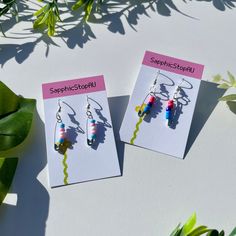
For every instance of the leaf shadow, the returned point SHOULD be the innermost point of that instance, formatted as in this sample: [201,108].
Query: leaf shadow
[74,31]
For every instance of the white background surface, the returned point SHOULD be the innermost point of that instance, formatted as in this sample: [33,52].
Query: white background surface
[156,192]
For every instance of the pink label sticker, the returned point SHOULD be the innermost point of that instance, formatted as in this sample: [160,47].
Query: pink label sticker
[172,64]
[73,87]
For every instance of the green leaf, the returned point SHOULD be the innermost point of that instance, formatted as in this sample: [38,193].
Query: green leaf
[37,21]
[199,231]
[188,226]
[233,233]
[217,78]
[213,233]
[15,126]
[174,232]
[7,171]
[9,101]
[45,17]
[88,9]
[222,233]
[231,78]
[224,86]
[78,4]
[4,10]
[41,10]
[230,97]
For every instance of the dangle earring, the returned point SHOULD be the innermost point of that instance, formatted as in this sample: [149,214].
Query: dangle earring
[145,109]
[60,142]
[90,126]
[171,105]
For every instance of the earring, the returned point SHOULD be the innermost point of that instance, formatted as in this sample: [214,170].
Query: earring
[171,105]
[59,144]
[145,109]
[90,125]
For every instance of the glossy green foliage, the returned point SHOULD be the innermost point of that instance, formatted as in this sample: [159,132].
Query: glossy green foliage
[47,17]
[87,6]
[190,229]
[16,115]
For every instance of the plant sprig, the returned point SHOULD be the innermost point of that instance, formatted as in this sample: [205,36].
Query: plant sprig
[47,17]
[87,6]
[226,84]
[189,229]
[9,6]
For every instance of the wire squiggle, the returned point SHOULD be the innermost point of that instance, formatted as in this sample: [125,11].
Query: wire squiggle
[136,130]
[65,168]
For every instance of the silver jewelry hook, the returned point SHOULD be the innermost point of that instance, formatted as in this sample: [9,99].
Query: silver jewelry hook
[153,87]
[88,112]
[58,117]
[178,88]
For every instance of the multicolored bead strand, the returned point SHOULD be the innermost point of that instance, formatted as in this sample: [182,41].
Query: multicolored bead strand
[91,131]
[148,106]
[62,136]
[170,106]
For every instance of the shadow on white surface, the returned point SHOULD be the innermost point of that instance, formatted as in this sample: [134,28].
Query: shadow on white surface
[207,100]
[73,31]
[29,216]
[221,5]
[118,107]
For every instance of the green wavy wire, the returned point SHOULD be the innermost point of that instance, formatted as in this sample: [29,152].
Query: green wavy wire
[65,168]
[136,130]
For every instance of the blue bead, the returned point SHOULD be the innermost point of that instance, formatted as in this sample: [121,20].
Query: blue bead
[150,104]
[93,136]
[62,125]
[146,109]
[168,114]
[61,140]
[92,121]
[168,109]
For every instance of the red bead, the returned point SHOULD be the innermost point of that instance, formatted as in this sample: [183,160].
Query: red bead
[151,99]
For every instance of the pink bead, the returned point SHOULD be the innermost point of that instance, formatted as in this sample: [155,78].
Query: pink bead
[62,135]
[93,128]
[93,131]
[151,99]
[61,129]
[92,124]
[171,101]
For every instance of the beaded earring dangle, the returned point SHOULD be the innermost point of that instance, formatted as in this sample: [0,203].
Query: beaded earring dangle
[171,104]
[91,125]
[60,142]
[145,109]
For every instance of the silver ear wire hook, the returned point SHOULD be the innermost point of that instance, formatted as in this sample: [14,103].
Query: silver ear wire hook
[88,112]
[58,117]
[90,125]
[152,97]
[178,88]
[154,87]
